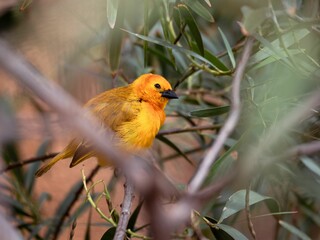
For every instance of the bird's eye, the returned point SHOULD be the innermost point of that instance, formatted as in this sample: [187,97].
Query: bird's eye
[157,85]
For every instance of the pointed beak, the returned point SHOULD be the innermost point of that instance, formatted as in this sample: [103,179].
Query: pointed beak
[169,94]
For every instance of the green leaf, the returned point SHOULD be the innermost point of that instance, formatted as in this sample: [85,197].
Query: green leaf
[215,61]
[134,217]
[173,47]
[116,36]
[289,39]
[191,23]
[208,3]
[273,58]
[10,154]
[223,232]
[109,234]
[234,233]
[199,9]
[112,10]
[210,112]
[228,47]
[16,207]
[237,203]
[294,230]
[146,32]
[311,165]
[173,146]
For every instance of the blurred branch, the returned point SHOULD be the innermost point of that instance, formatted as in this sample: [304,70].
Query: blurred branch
[28,161]
[230,124]
[193,150]
[305,149]
[8,232]
[125,211]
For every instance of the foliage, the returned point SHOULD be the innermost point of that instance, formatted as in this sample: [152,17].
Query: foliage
[195,44]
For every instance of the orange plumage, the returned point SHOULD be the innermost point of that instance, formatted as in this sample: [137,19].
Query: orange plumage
[134,112]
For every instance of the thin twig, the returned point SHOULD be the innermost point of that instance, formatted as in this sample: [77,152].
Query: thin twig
[28,161]
[193,150]
[191,70]
[125,211]
[190,129]
[230,124]
[248,213]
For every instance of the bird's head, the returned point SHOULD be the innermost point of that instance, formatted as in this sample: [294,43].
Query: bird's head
[154,89]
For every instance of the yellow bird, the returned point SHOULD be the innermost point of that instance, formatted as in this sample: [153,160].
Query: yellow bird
[134,112]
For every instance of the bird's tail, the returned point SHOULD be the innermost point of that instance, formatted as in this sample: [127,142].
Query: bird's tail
[66,153]
[48,166]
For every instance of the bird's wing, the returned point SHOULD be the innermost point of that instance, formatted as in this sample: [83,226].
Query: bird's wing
[112,109]
[115,108]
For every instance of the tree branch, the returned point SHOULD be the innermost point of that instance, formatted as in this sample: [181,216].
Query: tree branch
[230,124]
[125,211]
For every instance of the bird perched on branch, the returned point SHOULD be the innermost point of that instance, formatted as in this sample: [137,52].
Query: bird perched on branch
[134,112]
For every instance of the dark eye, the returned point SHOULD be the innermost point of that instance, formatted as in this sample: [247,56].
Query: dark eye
[157,85]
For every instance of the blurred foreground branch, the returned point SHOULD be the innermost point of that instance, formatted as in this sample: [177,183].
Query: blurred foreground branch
[230,124]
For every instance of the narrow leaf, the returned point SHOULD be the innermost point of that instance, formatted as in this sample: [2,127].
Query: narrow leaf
[112,9]
[311,165]
[237,203]
[215,61]
[208,3]
[134,217]
[109,234]
[191,23]
[289,39]
[210,112]
[146,31]
[228,47]
[294,230]
[116,38]
[174,47]
[234,233]
[199,9]
[222,231]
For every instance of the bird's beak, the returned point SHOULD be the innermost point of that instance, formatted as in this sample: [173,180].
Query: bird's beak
[169,94]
